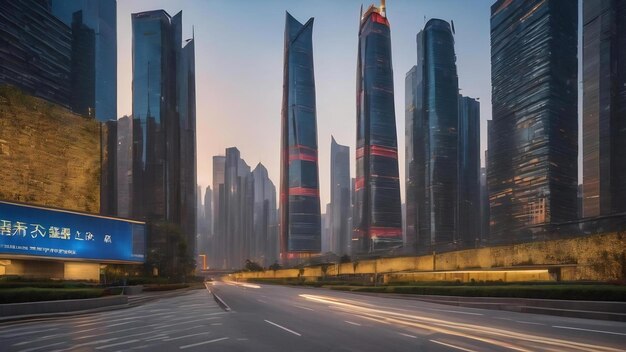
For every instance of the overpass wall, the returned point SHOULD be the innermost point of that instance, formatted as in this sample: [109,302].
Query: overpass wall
[596,257]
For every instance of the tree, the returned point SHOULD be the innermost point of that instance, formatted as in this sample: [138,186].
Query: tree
[252,266]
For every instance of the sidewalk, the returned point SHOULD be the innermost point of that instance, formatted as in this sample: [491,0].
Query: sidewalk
[62,308]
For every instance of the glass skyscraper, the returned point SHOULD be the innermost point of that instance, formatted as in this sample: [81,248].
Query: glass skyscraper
[532,175]
[378,214]
[604,107]
[433,139]
[300,225]
[164,159]
[469,172]
[340,234]
[94,27]
[36,50]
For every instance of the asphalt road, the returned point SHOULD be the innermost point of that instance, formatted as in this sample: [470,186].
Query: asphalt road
[277,318]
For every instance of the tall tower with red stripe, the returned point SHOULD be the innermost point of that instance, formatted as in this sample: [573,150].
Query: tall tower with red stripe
[378,214]
[300,226]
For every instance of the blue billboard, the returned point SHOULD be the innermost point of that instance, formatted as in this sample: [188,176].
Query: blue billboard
[42,232]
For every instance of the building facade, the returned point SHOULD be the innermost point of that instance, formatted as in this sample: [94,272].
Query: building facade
[94,24]
[300,226]
[36,53]
[340,212]
[469,172]
[532,174]
[604,107]
[378,219]
[432,113]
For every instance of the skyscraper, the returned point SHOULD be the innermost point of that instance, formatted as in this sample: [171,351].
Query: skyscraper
[469,172]
[432,114]
[164,171]
[300,225]
[604,107]
[340,211]
[124,166]
[378,223]
[94,24]
[35,58]
[264,239]
[236,211]
[532,175]
[219,170]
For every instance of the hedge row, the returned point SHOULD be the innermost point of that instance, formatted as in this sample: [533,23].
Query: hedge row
[33,294]
[569,292]
[167,287]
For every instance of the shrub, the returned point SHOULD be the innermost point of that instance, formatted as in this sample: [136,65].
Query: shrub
[33,294]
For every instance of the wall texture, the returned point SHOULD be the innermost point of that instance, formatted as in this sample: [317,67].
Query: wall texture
[598,257]
[48,155]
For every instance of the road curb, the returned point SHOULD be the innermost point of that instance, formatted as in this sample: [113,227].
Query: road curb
[218,300]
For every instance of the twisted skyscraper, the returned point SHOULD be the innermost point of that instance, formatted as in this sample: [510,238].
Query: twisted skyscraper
[300,228]
[378,222]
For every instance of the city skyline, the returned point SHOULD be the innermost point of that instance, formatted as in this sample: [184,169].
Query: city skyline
[335,41]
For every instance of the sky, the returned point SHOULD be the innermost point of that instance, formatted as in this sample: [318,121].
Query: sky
[239,69]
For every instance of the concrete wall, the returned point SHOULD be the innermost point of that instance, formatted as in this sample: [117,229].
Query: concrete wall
[597,257]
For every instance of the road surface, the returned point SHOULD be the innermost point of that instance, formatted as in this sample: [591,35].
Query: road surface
[278,318]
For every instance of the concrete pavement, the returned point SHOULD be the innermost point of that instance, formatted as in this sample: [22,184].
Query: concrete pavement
[278,318]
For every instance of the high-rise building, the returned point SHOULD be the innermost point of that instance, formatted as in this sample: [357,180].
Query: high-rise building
[164,171]
[300,225]
[469,172]
[208,215]
[36,55]
[236,210]
[378,218]
[340,212]
[265,237]
[532,175]
[108,174]
[217,254]
[604,107]
[432,113]
[124,180]
[484,205]
[94,57]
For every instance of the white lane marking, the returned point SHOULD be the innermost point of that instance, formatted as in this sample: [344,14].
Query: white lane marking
[260,300]
[203,343]
[453,346]
[581,329]
[352,323]
[214,324]
[118,324]
[185,336]
[451,311]
[117,344]
[301,307]
[282,327]
[407,335]
[528,322]
[40,347]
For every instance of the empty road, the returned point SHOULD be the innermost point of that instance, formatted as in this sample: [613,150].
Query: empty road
[277,318]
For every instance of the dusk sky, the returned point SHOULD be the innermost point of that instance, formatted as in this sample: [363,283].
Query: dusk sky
[239,69]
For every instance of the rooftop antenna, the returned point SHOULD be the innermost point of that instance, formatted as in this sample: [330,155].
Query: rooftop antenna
[452,22]
[383,8]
